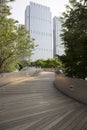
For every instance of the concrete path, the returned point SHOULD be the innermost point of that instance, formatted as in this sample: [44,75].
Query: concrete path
[34,104]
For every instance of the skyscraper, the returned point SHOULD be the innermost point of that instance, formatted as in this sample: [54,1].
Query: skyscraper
[39,23]
[58,47]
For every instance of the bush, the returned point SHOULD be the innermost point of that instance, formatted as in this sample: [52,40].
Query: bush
[23,63]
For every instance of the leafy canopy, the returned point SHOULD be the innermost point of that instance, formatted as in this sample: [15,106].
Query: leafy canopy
[15,41]
[49,63]
[75,39]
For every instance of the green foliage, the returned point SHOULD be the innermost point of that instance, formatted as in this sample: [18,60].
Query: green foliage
[12,66]
[15,41]
[24,43]
[49,63]
[75,39]
[40,63]
[23,63]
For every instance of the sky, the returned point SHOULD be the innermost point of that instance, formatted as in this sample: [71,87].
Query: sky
[18,8]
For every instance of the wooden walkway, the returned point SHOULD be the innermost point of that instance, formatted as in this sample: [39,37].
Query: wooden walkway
[36,105]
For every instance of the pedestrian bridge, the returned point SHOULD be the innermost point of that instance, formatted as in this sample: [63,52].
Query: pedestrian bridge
[33,103]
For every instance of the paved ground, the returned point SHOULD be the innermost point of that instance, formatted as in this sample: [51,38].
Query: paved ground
[35,104]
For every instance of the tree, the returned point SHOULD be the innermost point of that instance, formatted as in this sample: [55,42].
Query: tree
[15,41]
[75,39]
[40,63]
[24,43]
[49,63]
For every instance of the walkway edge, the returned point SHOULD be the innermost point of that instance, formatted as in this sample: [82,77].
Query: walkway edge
[72,87]
[8,78]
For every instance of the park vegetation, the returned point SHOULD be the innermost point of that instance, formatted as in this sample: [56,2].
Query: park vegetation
[15,41]
[74,22]
[49,63]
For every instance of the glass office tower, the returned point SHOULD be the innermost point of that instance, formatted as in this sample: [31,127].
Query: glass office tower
[39,23]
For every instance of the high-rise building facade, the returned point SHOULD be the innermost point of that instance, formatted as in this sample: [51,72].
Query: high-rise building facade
[58,47]
[39,23]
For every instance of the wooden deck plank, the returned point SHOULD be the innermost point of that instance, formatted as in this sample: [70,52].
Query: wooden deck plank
[37,105]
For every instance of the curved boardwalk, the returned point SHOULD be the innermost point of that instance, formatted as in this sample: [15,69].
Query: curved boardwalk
[36,105]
